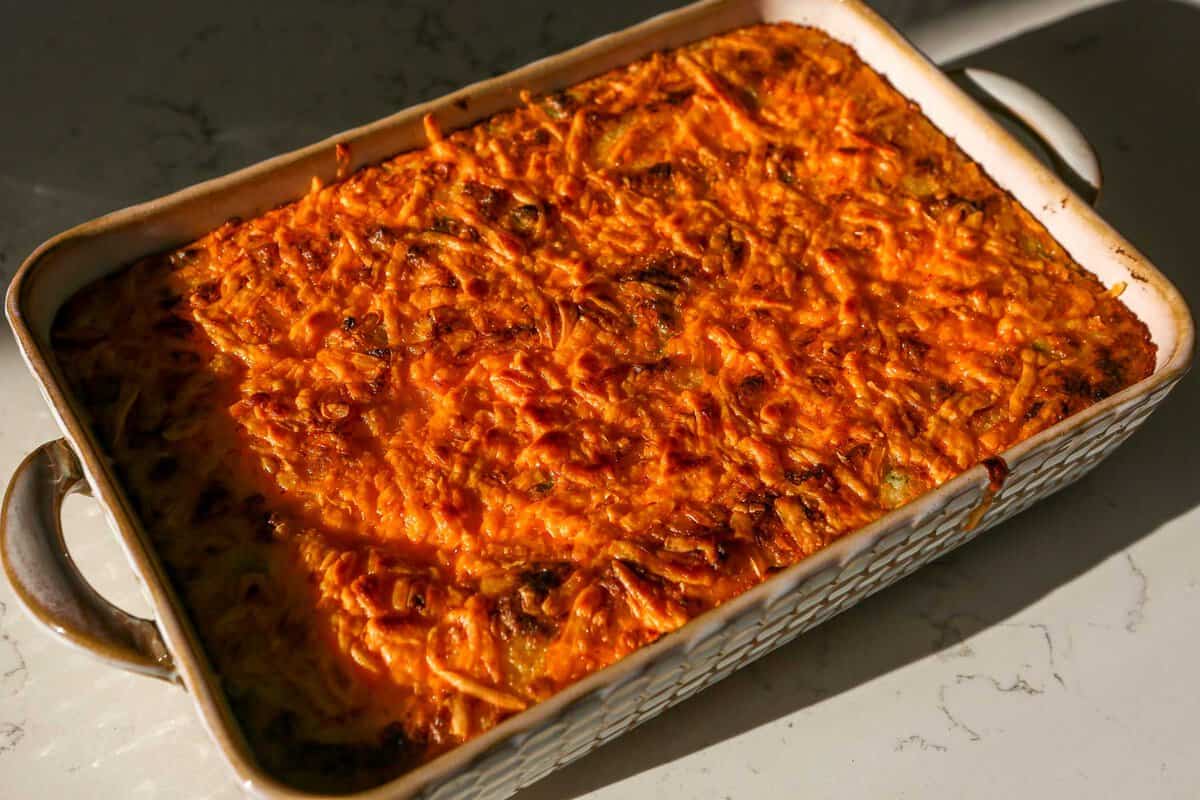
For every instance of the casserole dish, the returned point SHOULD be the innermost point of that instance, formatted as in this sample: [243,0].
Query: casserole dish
[712,645]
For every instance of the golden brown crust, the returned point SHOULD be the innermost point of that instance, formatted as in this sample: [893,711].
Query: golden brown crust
[429,444]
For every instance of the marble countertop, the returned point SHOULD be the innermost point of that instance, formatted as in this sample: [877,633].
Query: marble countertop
[1053,656]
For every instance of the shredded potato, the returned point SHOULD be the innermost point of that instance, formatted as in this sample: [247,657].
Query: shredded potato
[435,441]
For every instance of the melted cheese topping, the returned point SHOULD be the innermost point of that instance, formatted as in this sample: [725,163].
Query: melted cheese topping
[431,443]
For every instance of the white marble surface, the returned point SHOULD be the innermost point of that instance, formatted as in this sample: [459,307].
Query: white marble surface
[1053,657]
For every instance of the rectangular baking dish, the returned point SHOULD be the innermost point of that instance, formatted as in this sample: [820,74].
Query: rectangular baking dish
[531,744]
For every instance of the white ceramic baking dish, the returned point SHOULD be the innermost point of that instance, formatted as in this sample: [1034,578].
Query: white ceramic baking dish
[609,702]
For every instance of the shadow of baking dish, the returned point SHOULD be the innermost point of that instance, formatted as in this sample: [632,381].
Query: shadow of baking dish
[1125,73]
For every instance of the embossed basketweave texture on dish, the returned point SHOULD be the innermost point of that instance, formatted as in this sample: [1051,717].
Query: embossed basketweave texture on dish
[612,710]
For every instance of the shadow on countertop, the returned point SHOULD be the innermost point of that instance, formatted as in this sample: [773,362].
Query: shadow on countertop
[1125,74]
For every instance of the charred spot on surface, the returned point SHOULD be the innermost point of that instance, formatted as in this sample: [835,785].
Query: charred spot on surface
[819,475]
[214,501]
[768,532]
[523,220]
[511,333]
[677,461]
[489,200]
[959,207]
[783,163]
[208,292]
[515,621]
[912,421]
[656,274]
[420,255]
[603,316]
[1114,375]
[445,320]
[759,505]
[545,577]
[854,454]
[1078,385]
[173,326]
[454,227]
[476,288]
[810,511]
[557,442]
[639,570]
[913,349]
[785,56]
[316,252]
[750,388]
[656,180]
[677,97]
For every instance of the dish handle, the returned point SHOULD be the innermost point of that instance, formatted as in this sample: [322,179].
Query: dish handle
[48,582]
[1052,132]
